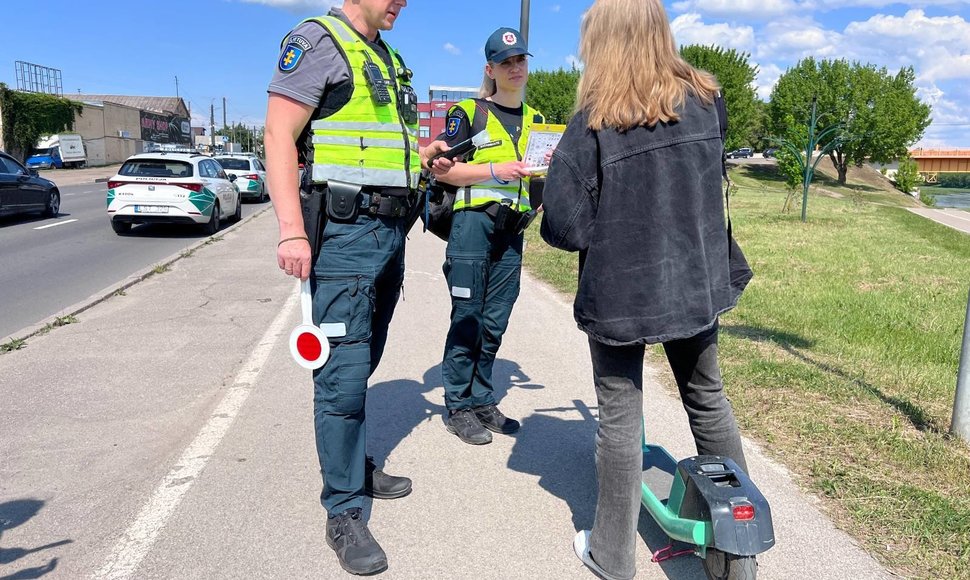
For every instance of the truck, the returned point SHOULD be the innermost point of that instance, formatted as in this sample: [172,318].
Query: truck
[62,150]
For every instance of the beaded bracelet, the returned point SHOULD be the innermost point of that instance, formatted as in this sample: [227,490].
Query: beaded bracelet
[492,171]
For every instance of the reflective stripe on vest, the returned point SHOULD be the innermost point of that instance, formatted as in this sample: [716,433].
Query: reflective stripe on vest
[517,191]
[364,143]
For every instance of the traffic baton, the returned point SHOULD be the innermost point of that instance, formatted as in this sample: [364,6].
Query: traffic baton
[308,345]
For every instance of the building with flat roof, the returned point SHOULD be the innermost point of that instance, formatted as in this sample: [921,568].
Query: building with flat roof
[432,114]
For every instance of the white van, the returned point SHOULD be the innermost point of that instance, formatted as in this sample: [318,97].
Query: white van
[63,150]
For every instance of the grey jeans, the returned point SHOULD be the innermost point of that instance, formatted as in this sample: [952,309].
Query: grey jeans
[618,378]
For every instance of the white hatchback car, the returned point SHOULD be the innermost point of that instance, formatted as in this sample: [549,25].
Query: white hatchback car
[250,174]
[175,188]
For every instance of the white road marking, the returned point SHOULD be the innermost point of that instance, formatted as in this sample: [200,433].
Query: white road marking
[55,224]
[959,214]
[138,539]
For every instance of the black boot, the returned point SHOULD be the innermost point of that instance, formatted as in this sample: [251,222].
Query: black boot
[380,485]
[464,424]
[357,550]
[493,420]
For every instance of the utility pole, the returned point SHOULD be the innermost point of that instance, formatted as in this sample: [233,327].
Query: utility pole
[225,126]
[960,425]
[176,86]
[212,127]
[524,21]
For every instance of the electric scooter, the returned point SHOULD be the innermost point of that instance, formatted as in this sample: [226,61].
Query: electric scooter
[713,505]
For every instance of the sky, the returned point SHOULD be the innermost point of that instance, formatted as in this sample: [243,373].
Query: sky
[229,48]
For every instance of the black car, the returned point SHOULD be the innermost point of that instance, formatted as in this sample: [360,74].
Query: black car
[770,152]
[741,153]
[22,190]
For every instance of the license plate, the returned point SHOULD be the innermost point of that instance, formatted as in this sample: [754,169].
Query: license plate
[151,209]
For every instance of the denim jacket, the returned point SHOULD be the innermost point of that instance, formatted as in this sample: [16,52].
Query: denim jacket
[645,209]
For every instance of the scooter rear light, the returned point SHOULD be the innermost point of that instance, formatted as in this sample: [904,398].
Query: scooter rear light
[743,512]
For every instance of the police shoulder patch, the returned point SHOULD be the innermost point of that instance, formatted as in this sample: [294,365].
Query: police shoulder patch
[452,126]
[293,53]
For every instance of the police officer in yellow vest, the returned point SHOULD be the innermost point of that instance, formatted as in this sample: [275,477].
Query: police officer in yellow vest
[341,102]
[484,255]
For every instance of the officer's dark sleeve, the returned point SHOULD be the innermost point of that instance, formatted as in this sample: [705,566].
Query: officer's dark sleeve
[457,126]
[571,194]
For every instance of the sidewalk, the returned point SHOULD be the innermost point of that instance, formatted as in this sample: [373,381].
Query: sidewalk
[66,177]
[199,355]
[954,218]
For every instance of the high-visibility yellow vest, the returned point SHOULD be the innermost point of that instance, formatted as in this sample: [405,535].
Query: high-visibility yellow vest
[515,192]
[365,143]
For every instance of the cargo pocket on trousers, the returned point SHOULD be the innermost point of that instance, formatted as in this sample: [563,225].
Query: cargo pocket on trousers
[465,279]
[346,301]
[351,375]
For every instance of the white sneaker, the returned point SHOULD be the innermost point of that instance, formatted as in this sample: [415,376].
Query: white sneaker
[581,547]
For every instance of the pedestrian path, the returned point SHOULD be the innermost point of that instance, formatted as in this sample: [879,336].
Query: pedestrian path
[954,218]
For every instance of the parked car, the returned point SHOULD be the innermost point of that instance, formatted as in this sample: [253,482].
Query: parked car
[175,188]
[64,150]
[23,191]
[741,153]
[770,152]
[250,174]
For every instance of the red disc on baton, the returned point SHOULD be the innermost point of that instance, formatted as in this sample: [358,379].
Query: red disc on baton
[308,345]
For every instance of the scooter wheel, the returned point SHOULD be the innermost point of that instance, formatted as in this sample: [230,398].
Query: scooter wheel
[720,565]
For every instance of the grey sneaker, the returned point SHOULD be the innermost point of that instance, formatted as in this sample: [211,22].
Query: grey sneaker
[493,420]
[357,550]
[468,428]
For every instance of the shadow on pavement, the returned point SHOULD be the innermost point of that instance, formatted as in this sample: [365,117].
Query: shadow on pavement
[395,408]
[15,513]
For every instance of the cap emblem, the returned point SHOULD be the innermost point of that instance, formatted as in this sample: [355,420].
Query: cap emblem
[509,38]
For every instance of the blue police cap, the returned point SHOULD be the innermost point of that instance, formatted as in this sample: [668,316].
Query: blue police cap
[505,43]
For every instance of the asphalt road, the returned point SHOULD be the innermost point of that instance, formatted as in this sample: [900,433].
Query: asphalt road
[49,264]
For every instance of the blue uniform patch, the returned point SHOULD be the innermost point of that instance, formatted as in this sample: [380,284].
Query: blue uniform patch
[454,123]
[291,57]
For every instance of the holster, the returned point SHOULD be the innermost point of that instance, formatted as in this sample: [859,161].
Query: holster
[314,217]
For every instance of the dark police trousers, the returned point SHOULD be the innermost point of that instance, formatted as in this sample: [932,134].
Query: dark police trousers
[483,268]
[356,281]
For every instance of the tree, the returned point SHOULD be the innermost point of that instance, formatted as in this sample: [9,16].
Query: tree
[28,116]
[878,113]
[907,176]
[242,134]
[553,93]
[736,77]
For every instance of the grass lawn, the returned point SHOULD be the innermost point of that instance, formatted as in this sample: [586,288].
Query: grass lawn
[842,356]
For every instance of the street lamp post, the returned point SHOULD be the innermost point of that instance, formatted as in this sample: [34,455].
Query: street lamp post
[524,21]
[805,163]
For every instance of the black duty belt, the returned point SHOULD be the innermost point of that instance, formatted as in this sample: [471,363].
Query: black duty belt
[509,220]
[376,204]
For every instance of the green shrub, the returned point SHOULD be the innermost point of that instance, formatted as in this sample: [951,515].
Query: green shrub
[907,176]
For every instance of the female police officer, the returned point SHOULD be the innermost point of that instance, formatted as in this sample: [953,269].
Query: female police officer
[484,255]
[345,96]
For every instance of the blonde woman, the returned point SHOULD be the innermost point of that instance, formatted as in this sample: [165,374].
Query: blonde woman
[483,261]
[635,187]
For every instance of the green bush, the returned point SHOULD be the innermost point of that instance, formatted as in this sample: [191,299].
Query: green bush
[958,180]
[907,176]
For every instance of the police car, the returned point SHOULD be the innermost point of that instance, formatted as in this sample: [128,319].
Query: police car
[175,188]
[250,174]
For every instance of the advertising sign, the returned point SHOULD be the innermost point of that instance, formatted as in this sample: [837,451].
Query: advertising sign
[160,128]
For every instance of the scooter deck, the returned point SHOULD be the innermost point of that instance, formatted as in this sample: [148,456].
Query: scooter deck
[658,471]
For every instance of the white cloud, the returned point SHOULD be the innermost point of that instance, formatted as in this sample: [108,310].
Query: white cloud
[451,48]
[796,39]
[556,7]
[314,6]
[837,4]
[689,29]
[768,75]
[573,61]
[737,9]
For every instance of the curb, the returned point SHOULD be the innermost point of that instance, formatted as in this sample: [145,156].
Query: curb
[46,325]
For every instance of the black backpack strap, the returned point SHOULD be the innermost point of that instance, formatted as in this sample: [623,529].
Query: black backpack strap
[722,121]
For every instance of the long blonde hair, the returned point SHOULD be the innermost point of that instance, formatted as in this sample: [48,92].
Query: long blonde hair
[488,87]
[633,73]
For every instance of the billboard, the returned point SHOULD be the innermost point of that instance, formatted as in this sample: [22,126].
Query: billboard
[161,128]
